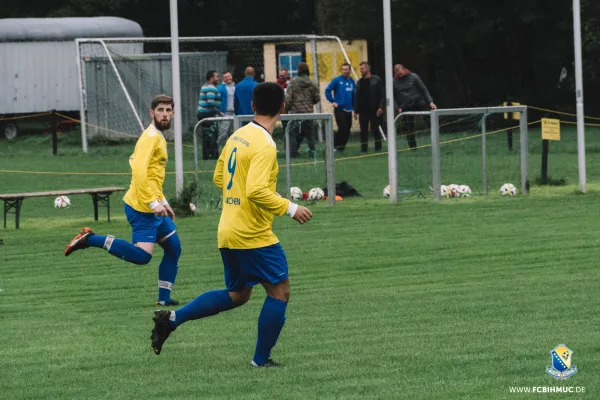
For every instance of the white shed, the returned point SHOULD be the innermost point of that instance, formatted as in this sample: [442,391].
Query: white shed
[38,69]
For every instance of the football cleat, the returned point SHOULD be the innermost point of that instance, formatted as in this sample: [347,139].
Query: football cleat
[79,242]
[161,331]
[268,364]
[172,302]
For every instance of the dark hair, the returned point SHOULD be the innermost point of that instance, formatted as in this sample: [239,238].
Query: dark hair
[210,74]
[303,69]
[364,63]
[224,72]
[161,99]
[346,65]
[268,97]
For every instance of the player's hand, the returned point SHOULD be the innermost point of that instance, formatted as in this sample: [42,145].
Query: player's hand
[432,106]
[335,105]
[303,215]
[159,210]
[379,112]
[170,212]
[399,111]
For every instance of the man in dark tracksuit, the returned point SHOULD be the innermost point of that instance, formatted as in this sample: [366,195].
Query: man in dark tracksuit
[370,101]
[300,98]
[410,94]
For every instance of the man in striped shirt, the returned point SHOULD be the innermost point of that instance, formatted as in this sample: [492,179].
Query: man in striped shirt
[209,105]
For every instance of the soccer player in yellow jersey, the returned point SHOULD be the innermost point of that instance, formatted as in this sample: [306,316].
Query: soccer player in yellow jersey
[247,173]
[147,210]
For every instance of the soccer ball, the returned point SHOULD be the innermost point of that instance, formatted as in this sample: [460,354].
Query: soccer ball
[62,202]
[508,189]
[464,191]
[315,194]
[453,190]
[444,191]
[386,191]
[295,193]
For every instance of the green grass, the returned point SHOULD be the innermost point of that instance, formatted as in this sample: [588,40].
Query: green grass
[455,300]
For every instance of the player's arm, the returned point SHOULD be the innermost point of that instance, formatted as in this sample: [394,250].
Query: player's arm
[218,174]
[289,97]
[424,90]
[139,170]
[258,184]
[328,91]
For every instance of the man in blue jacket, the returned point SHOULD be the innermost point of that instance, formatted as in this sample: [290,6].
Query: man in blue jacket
[342,100]
[243,93]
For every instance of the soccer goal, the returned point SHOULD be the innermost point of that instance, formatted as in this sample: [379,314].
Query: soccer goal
[118,77]
[463,146]
[308,162]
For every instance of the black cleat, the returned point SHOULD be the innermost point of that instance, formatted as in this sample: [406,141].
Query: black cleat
[268,364]
[173,302]
[161,331]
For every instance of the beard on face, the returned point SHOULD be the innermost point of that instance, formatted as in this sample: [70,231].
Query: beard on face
[162,125]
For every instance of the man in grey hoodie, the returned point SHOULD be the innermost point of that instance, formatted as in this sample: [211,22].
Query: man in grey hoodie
[301,96]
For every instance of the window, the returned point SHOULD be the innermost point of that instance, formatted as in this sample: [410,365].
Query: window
[290,62]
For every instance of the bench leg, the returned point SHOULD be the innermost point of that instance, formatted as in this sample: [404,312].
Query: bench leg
[101,199]
[95,200]
[9,205]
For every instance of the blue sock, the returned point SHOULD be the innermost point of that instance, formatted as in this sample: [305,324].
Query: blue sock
[270,324]
[122,249]
[167,270]
[205,305]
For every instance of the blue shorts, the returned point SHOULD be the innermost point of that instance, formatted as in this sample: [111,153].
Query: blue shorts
[147,227]
[249,267]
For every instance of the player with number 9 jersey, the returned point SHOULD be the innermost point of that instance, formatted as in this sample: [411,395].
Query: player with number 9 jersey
[247,172]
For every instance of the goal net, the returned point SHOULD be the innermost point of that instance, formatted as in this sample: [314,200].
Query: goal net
[118,77]
[467,147]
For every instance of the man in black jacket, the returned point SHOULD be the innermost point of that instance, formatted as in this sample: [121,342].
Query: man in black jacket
[370,101]
[410,94]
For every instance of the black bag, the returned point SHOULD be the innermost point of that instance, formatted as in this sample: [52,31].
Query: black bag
[344,189]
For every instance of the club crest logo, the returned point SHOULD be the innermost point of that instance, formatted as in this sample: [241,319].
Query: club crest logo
[561,367]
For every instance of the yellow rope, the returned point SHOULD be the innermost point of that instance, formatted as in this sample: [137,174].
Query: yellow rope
[560,112]
[25,116]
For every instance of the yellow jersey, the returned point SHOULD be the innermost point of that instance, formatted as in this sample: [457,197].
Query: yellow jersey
[247,173]
[148,167]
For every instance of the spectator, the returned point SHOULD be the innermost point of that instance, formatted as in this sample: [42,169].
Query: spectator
[410,94]
[227,90]
[243,93]
[342,100]
[301,96]
[284,78]
[209,106]
[370,100]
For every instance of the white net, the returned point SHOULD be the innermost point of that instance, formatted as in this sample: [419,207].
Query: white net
[119,78]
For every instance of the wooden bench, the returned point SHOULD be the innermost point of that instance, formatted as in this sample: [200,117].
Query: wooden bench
[100,196]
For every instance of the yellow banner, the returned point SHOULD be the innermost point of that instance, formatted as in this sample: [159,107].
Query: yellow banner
[550,129]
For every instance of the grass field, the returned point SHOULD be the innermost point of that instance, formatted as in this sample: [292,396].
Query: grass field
[451,300]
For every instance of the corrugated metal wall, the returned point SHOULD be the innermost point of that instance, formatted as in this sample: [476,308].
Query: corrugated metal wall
[108,112]
[38,77]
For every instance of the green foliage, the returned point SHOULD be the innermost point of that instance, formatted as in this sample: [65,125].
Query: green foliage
[181,205]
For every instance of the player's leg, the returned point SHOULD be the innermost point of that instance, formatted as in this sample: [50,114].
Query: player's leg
[167,270]
[409,127]
[347,123]
[295,138]
[337,138]
[376,121]
[363,121]
[208,303]
[271,263]
[308,129]
[144,227]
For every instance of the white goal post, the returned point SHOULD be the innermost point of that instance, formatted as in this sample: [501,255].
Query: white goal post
[436,156]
